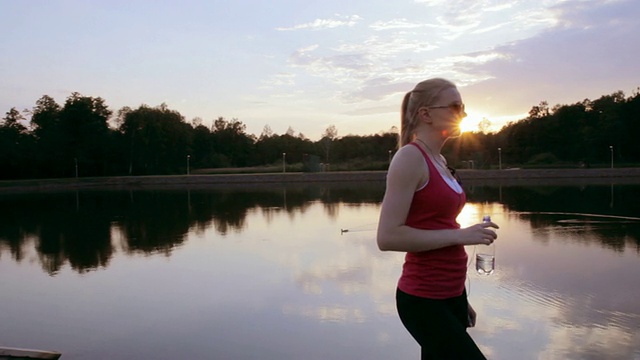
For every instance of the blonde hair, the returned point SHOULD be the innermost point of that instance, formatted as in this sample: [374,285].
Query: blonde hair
[423,94]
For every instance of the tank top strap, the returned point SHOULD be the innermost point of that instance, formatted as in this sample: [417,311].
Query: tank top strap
[450,183]
[430,165]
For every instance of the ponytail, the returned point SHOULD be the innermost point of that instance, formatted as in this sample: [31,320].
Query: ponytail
[405,122]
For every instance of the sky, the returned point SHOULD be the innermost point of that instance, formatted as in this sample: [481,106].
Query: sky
[307,65]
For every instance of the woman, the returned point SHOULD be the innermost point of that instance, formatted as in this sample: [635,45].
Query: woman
[418,216]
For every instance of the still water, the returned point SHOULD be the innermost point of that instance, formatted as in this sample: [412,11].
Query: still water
[293,272]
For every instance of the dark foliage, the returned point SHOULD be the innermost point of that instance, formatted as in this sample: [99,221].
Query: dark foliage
[76,140]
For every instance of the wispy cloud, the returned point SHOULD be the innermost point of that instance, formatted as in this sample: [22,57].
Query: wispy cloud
[397,24]
[382,47]
[279,79]
[480,17]
[321,24]
[336,67]
[372,69]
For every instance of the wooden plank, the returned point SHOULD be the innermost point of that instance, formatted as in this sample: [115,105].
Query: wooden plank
[25,354]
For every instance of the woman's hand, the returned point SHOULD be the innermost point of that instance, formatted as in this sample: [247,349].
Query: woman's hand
[479,234]
[472,316]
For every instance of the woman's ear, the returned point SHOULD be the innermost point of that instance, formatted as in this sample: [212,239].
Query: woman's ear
[424,115]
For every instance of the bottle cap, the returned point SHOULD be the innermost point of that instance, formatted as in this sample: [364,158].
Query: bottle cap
[486,218]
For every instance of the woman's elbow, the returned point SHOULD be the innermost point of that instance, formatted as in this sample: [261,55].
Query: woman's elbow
[383,242]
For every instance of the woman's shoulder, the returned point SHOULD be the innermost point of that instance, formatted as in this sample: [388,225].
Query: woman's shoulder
[410,152]
[409,163]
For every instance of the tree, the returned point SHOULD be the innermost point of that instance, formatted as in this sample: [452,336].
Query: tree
[45,121]
[231,144]
[202,147]
[327,140]
[15,145]
[196,121]
[159,140]
[45,116]
[12,120]
[484,125]
[83,123]
[539,111]
[266,132]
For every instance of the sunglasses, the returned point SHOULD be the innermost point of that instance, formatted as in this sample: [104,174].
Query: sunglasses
[456,108]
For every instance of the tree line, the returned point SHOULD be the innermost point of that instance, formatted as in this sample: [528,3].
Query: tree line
[587,133]
[83,137]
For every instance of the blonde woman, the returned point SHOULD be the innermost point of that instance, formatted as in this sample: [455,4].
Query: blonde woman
[418,216]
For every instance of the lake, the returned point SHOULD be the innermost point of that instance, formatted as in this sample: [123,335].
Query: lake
[293,272]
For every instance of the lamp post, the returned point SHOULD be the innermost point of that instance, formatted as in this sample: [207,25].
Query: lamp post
[389,156]
[76,162]
[188,157]
[283,162]
[500,158]
[611,151]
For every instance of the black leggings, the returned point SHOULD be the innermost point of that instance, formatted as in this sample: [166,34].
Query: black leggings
[439,326]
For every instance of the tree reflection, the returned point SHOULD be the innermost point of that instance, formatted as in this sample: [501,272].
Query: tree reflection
[597,211]
[85,229]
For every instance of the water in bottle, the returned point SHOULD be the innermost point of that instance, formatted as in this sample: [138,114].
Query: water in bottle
[486,255]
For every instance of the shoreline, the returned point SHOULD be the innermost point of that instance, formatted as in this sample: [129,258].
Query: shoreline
[468,177]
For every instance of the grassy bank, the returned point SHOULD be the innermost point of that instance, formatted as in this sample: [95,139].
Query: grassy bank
[193,181]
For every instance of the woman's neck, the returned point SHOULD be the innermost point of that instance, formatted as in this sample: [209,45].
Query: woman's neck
[437,158]
[433,146]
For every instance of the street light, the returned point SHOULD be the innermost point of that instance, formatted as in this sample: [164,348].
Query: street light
[389,156]
[188,157]
[283,162]
[76,161]
[500,158]
[611,151]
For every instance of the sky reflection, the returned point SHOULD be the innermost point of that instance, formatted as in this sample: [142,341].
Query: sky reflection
[278,278]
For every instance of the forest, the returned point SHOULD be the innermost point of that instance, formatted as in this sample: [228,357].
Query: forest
[84,138]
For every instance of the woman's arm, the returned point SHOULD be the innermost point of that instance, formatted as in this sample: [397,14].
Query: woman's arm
[407,172]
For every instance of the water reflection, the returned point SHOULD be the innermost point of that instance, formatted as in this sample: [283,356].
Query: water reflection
[86,228]
[200,263]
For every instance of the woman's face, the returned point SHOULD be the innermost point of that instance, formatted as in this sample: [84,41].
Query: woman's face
[447,113]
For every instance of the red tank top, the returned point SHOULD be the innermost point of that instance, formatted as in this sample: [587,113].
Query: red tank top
[439,273]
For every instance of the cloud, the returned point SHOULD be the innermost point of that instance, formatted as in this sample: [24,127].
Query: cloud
[373,71]
[382,47]
[321,24]
[401,79]
[336,67]
[587,49]
[404,50]
[397,24]
[481,16]
[280,79]
[377,88]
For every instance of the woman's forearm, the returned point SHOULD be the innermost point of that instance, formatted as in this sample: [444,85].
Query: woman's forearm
[408,239]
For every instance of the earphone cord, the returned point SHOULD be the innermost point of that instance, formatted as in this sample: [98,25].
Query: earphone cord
[470,261]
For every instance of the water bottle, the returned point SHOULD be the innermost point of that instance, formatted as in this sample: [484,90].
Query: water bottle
[486,255]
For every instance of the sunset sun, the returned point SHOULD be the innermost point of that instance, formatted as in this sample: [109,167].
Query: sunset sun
[469,124]
[475,122]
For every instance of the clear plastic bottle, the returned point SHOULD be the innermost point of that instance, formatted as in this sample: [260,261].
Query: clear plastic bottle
[486,255]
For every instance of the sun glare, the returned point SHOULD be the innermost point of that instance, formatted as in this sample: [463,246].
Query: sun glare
[468,124]
[471,122]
